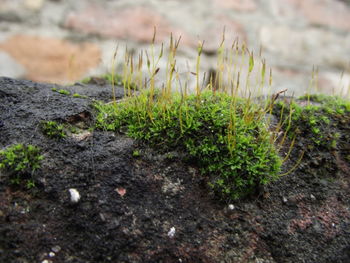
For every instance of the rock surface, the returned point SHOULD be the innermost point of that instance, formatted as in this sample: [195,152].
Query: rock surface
[129,209]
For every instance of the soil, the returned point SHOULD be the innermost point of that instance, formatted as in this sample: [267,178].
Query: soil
[129,204]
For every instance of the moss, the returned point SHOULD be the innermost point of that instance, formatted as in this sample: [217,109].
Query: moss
[86,80]
[61,91]
[115,79]
[76,95]
[136,153]
[20,162]
[53,129]
[226,137]
[316,120]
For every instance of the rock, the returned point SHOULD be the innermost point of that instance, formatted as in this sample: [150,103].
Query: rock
[327,13]
[9,67]
[231,207]
[34,4]
[297,81]
[74,195]
[317,46]
[334,83]
[238,5]
[317,227]
[324,182]
[284,200]
[213,33]
[56,249]
[135,24]
[52,59]
[12,11]
[171,232]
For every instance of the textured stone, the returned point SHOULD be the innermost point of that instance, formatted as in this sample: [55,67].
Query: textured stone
[20,10]
[334,84]
[50,59]
[9,67]
[19,5]
[213,35]
[324,12]
[239,5]
[294,82]
[10,11]
[133,23]
[34,4]
[306,47]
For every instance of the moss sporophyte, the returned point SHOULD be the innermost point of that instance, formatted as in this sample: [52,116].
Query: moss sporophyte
[218,123]
[227,137]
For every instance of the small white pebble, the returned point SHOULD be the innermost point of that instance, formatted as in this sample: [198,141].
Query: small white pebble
[52,254]
[333,225]
[74,195]
[284,199]
[102,216]
[231,207]
[56,249]
[312,197]
[171,232]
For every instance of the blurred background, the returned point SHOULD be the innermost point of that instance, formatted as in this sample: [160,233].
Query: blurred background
[63,41]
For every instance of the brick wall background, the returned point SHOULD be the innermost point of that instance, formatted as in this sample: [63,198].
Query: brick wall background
[62,41]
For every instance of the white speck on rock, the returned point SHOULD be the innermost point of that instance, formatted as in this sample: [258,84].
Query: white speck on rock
[171,232]
[52,254]
[231,207]
[313,198]
[74,195]
[56,249]
[284,199]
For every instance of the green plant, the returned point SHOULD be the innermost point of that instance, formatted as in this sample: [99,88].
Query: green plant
[136,153]
[86,80]
[112,79]
[61,91]
[53,129]
[21,161]
[76,95]
[216,125]
[237,160]
[315,120]
[64,92]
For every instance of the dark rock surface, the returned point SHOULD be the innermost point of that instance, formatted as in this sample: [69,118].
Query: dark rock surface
[129,204]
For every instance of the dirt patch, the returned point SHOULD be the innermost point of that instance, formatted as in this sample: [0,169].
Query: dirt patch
[152,208]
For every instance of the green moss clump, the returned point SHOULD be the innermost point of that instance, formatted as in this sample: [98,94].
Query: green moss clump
[225,136]
[63,92]
[116,79]
[316,120]
[86,80]
[77,95]
[52,129]
[330,104]
[20,162]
